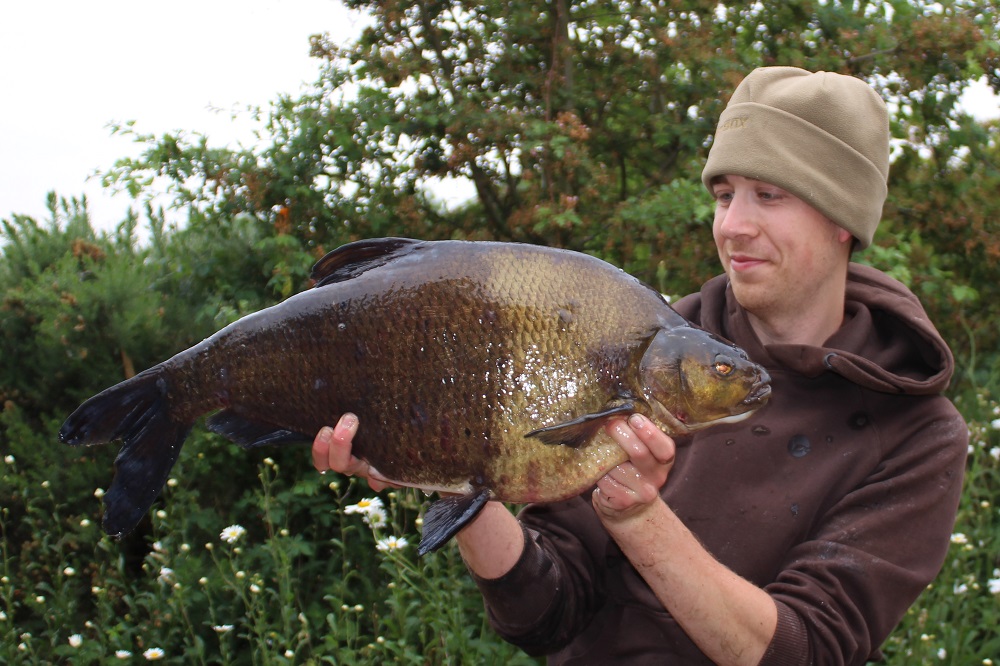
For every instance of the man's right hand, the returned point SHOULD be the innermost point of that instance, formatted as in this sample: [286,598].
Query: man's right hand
[332,450]
[490,544]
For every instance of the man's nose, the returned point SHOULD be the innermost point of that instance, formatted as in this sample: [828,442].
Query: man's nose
[738,218]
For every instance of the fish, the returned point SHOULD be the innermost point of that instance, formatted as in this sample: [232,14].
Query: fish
[478,369]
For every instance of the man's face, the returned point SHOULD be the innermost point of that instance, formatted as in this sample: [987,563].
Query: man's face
[780,253]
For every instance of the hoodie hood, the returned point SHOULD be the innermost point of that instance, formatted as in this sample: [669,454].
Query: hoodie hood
[886,343]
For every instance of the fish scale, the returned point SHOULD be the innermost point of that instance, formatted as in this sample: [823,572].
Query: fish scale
[488,369]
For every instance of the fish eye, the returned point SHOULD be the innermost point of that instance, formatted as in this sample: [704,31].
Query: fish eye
[724,366]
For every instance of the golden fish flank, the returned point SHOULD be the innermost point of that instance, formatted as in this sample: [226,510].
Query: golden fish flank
[487,367]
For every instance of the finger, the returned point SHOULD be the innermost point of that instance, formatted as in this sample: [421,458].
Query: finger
[660,446]
[321,449]
[613,493]
[339,456]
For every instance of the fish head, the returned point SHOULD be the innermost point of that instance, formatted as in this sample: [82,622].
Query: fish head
[693,379]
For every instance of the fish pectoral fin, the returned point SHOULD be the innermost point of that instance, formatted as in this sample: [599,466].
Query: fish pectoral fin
[249,434]
[351,260]
[580,430]
[447,516]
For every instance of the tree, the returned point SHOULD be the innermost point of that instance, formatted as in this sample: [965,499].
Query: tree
[580,124]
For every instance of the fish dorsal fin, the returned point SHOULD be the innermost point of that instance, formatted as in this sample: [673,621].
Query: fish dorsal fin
[580,430]
[351,260]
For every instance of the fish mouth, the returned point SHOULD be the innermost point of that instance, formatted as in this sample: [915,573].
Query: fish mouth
[759,395]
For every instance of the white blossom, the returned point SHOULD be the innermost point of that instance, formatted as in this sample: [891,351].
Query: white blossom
[365,506]
[232,533]
[153,654]
[391,543]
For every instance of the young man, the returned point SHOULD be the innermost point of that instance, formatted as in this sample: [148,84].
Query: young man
[800,535]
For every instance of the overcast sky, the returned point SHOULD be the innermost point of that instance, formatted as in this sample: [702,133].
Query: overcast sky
[68,68]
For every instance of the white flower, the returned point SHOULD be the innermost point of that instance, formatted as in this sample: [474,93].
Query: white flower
[222,628]
[161,514]
[942,654]
[122,654]
[365,506]
[69,572]
[995,424]
[960,588]
[376,518]
[152,654]
[995,453]
[85,522]
[289,654]
[166,574]
[391,543]
[76,640]
[3,616]
[158,547]
[993,584]
[9,460]
[99,493]
[959,538]
[255,588]
[232,533]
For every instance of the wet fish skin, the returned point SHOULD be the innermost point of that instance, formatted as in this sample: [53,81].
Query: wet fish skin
[483,368]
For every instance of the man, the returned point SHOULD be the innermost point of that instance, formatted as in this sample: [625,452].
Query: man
[802,534]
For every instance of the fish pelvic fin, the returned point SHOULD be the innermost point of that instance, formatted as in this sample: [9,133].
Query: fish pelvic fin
[447,516]
[581,430]
[137,412]
[351,260]
[251,434]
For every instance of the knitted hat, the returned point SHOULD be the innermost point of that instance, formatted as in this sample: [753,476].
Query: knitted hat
[823,137]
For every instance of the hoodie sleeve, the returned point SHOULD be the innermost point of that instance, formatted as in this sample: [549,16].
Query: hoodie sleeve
[553,591]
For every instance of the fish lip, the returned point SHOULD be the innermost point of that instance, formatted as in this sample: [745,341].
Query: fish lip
[759,394]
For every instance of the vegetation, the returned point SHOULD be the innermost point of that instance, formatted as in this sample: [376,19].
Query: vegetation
[582,125]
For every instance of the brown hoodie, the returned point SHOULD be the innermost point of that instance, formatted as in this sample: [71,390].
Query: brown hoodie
[838,499]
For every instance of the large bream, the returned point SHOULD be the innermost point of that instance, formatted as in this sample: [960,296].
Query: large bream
[486,369]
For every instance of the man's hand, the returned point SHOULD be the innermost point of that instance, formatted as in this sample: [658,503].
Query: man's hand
[635,484]
[332,450]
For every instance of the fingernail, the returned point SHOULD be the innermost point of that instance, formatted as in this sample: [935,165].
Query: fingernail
[348,420]
[637,421]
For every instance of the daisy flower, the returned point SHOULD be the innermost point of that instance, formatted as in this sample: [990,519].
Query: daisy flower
[391,543]
[376,518]
[365,506]
[232,533]
[153,654]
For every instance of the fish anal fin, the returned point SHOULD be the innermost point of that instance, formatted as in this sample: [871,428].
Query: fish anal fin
[249,433]
[580,430]
[445,517]
[351,260]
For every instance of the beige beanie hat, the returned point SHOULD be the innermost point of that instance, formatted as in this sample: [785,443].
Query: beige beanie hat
[824,137]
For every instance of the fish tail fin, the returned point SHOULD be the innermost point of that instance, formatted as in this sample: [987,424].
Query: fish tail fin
[138,413]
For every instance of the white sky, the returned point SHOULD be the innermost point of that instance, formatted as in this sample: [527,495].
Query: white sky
[68,68]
